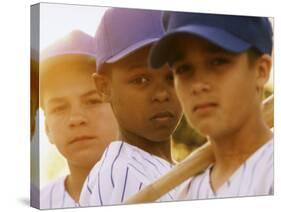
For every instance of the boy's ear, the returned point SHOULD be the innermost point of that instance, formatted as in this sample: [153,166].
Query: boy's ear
[48,132]
[264,64]
[103,86]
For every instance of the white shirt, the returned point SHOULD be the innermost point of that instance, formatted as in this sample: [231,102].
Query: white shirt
[254,177]
[122,171]
[54,195]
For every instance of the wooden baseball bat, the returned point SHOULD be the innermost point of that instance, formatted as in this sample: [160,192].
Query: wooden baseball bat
[196,162]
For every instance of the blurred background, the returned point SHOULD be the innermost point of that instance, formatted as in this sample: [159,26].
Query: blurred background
[56,20]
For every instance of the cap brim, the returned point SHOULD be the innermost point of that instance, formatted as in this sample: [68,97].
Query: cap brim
[162,50]
[45,56]
[128,51]
[131,49]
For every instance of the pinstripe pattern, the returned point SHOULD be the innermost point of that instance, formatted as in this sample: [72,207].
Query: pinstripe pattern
[118,154]
[131,165]
[99,190]
[89,189]
[159,161]
[200,185]
[254,177]
[125,185]
[140,186]
[147,163]
[123,172]
[55,196]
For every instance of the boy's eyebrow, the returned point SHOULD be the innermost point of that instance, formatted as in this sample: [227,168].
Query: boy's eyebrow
[55,100]
[137,65]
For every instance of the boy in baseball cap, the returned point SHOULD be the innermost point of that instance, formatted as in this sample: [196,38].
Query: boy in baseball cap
[77,120]
[220,65]
[143,101]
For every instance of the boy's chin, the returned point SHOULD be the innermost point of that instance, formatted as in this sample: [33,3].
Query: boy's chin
[85,162]
[160,137]
[210,132]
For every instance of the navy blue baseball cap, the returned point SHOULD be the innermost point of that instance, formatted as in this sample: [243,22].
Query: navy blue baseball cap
[123,31]
[232,33]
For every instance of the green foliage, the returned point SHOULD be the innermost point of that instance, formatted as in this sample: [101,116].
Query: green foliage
[184,134]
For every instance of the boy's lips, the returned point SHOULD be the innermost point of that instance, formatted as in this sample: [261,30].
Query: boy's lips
[162,116]
[81,138]
[204,106]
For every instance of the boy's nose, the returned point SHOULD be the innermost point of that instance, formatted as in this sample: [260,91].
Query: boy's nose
[200,87]
[200,83]
[77,119]
[161,95]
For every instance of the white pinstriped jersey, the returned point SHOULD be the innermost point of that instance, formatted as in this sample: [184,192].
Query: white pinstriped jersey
[54,195]
[122,171]
[254,177]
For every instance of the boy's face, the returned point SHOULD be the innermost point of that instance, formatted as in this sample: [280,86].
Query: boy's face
[144,100]
[218,90]
[77,121]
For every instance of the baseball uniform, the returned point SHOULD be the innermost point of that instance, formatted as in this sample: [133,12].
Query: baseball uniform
[254,177]
[122,171]
[54,196]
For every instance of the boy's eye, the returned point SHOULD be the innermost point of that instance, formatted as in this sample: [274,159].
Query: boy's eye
[59,109]
[140,80]
[93,101]
[170,77]
[219,61]
[182,69]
